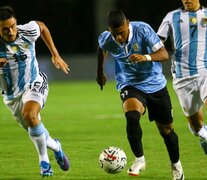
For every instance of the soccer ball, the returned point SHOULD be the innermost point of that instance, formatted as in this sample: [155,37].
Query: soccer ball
[113,159]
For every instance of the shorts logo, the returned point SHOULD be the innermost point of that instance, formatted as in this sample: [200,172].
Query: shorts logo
[124,94]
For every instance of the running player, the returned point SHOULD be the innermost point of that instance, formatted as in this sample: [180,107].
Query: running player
[186,27]
[137,52]
[24,88]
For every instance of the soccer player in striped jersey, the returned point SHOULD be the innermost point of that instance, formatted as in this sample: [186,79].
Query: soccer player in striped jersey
[23,87]
[137,51]
[187,28]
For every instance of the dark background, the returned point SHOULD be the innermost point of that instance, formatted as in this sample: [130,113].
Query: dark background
[72,22]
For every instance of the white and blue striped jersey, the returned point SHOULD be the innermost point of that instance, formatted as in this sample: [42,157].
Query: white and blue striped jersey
[188,33]
[145,76]
[22,69]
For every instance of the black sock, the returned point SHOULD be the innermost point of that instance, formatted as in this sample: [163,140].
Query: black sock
[171,142]
[134,132]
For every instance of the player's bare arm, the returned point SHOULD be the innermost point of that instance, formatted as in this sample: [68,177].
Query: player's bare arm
[56,58]
[160,55]
[101,77]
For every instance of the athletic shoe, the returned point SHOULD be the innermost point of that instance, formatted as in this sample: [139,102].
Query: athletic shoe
[138,166]
[61,158]
[45,169]
[177,171]
[203,143]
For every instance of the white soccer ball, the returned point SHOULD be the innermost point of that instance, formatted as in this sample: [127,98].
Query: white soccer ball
[113,159]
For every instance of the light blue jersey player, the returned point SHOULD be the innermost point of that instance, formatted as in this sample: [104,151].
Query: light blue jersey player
[23,87]
[187,29]
[148,76]
[138,51]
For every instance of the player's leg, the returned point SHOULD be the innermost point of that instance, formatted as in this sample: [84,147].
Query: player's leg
[198,128]
[171,141]
[162,115]
[133,109]
[36,131]
[60,156]
[192,95]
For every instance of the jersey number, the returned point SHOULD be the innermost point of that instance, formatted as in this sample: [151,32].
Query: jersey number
[193,29]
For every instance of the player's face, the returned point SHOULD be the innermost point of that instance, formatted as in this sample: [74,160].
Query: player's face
[8,29]
[121,33]
[191,5]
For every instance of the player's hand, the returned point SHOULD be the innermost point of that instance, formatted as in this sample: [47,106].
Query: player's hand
[136,58]
[3,62]
[101,80]
[60,64]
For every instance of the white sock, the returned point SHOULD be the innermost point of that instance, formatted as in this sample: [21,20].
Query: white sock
[37,135]
[51,143]
[177,163]
[141,158]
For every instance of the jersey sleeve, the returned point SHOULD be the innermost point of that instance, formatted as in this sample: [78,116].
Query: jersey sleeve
[150,37]
[163,30]
[31,31]
[103,39]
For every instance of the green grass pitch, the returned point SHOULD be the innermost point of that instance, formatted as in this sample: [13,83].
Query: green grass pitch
[87,120]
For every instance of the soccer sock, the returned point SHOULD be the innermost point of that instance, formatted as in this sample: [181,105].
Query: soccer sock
[171,142]
[51,143]
[134,132]
[37,135]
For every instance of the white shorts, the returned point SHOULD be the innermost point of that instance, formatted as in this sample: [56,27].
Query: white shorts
[38,92]
[191,92]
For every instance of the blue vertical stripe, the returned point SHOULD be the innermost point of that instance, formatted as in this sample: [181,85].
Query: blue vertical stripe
[193,45]
[178,42]
[21,69]
[33,68]
[8,79]
[205,54]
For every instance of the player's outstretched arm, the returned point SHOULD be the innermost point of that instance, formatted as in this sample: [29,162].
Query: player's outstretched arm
[56,59]
[101,77]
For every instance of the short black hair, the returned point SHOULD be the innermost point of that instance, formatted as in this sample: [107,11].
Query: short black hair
[6,12]
[115,18]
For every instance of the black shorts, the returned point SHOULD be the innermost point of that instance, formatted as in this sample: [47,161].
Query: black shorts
[158,103]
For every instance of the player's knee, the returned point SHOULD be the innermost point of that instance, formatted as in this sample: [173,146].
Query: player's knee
[30,117]
[165,129]
[132,118]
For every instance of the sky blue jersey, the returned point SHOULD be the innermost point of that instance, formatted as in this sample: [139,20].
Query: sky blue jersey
[145,76]
[22,68]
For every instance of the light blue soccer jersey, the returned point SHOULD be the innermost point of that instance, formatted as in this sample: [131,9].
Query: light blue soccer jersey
[22,68]
[188,32]
[145,76]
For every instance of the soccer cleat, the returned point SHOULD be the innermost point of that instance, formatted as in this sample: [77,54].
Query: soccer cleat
[61,158]
[45,169]
[177,171]
[203,143]
[138,166]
